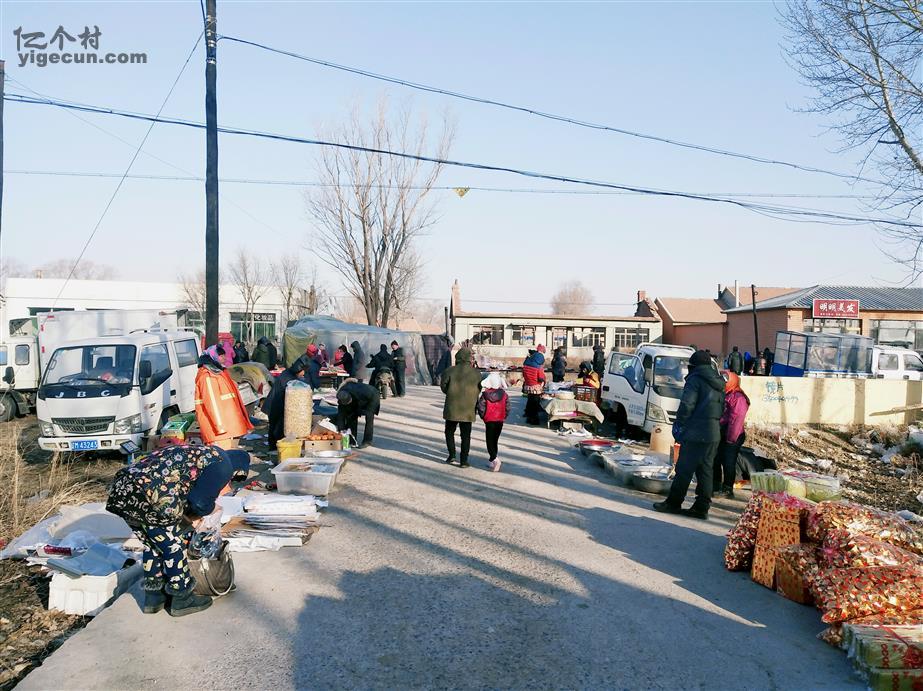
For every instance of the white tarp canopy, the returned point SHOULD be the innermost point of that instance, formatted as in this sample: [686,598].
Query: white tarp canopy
[333,333]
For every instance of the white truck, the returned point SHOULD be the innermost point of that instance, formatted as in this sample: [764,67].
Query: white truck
[98,393]
[24,357]
[890,362]
[644,389]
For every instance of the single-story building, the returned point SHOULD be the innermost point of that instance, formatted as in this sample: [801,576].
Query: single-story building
[507,338]
[891,316]
[701,321]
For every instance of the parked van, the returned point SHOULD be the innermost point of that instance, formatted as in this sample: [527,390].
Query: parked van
[644,389]
[99,393]
[889,362]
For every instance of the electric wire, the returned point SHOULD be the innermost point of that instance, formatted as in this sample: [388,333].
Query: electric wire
[820,215]
[121,182]
[550,116]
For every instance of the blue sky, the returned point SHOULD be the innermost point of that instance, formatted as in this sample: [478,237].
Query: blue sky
[711,73]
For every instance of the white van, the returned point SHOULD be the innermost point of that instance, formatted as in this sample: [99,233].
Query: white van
[99,393]
[644,389]
[890,362]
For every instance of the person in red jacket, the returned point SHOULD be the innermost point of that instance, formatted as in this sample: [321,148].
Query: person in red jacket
[493,407]
[219,411]
[533,383]
[736,405]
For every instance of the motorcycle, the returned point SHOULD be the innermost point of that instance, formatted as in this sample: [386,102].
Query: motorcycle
[384,382]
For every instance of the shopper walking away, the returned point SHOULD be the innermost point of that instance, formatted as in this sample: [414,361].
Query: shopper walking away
[599,360]
[400,368]
[355,399]
[736,405]
[493,408]
[262,354]
[219,410]
[358,361]
[698,433]
[558,365]
[736,361]
[344,359]
[461,385]
[533,383]
[163,497]
[274,405]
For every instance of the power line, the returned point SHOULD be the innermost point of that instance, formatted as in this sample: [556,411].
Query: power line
[817,214]
[451,188]
[134,158]
[550,116]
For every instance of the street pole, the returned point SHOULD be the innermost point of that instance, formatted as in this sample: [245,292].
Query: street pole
[2,80]
[756,328]
[211,173]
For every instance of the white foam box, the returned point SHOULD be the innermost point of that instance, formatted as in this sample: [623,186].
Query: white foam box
[89,595]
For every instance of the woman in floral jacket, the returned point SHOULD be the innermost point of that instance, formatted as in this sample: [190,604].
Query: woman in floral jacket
[163,496]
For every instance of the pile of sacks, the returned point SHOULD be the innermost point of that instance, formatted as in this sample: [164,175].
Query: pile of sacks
[861,567]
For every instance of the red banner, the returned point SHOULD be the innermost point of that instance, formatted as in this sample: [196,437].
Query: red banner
[836,309]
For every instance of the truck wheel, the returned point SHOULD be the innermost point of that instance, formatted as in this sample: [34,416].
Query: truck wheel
[7,408]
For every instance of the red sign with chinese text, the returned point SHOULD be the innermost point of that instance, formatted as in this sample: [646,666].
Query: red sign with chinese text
[836,309]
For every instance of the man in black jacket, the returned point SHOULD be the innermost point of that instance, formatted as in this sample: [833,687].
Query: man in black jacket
[355,399]
[380,362]
[274,404]
[599,360]
[736,361]
[400,367]
[698,433]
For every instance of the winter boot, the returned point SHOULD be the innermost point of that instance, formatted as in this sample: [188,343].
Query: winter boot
[154,601]
[666,507]
[189,603]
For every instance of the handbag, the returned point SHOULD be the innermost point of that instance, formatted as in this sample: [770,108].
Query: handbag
[214,576]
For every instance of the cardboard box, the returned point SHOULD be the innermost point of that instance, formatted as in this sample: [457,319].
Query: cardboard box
[790,583]
[780,525]
[895,679]
[764,566]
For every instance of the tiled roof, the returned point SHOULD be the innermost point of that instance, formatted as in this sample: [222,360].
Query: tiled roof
[762,293]
[693,310]
[870,298]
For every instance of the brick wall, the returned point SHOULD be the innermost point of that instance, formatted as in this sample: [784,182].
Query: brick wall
[740,327]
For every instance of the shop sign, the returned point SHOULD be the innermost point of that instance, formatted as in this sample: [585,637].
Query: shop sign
[836,309]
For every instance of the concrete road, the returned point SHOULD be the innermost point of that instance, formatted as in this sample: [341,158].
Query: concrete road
[544,575]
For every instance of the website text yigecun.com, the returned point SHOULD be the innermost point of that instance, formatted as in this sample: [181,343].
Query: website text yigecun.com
[42,59]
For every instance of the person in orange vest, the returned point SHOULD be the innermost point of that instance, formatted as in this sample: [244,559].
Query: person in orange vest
[218,409]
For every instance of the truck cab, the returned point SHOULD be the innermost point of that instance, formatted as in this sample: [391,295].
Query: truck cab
[644,389]
[890,362]
[99,393]
[19,376]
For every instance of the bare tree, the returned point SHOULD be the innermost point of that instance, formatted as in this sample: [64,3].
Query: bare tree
[248,273]
[373,207]
[572,298]
[862,57]
[85,270]
[193,288]
[290,282]
[10,267]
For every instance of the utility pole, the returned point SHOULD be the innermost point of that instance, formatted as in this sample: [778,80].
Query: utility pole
[756,328]
[211,173]
[2,80]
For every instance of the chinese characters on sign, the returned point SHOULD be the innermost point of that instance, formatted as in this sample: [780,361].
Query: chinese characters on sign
[68,47]
[836,309]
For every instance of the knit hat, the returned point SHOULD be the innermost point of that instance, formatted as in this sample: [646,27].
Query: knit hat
[699,358]
[311,350]
[540,348]
[493,381]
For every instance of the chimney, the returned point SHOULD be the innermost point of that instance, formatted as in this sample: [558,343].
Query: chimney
[719,291]
[642,295]
[736,294]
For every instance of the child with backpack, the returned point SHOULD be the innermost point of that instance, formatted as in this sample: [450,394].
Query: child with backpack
[493,407]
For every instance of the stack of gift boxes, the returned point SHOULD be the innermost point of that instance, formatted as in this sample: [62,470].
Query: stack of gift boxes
[861,567]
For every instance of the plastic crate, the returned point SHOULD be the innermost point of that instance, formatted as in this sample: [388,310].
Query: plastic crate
[88,595]
[303,482]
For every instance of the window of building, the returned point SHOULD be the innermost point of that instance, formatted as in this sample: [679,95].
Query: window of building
[833,326]
[628,338]
[908,334]
[195,321]
[489,334]
[264,324]
[186,353]
[559,337]
[587,338]
[887,361]
[524,335]
[21,357]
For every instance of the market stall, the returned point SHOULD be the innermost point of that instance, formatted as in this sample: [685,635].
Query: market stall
[562,405]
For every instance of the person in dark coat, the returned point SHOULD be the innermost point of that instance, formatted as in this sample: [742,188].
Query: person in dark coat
[274,405]
[355,399]
[346,360]
[240,352]
[599,360]
[273,354]
[444,363]
[380,362]
[558,365]
[461,385]
[768,359]
[698,432]
[261,353]
[358,360]
[312,369]
[533,383]
[736,361]
[400,368]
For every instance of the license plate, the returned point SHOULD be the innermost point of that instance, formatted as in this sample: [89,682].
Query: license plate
[89,445]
